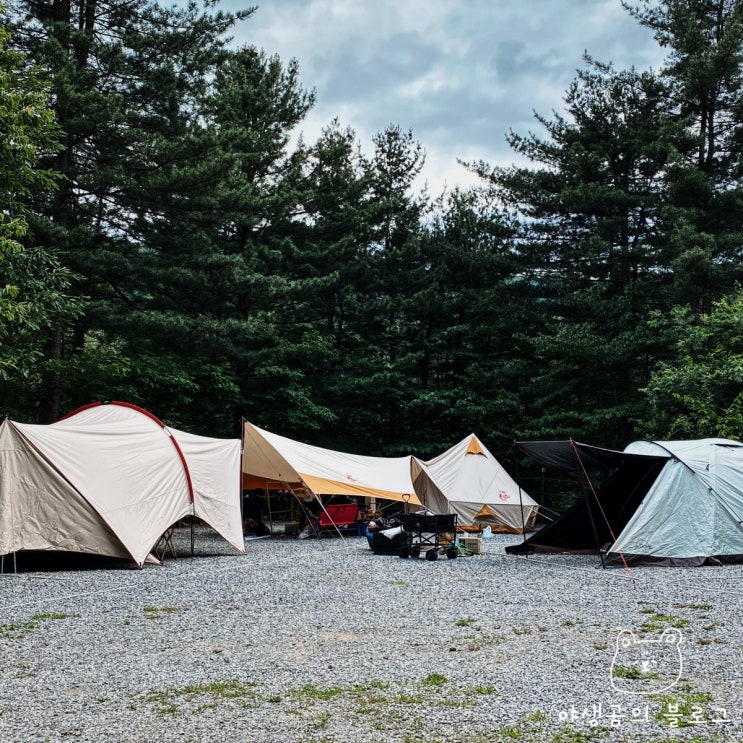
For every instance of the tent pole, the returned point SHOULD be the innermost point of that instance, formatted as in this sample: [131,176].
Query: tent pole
[192,535]
[521,499]
[593,526]
[268,505]
[588,503]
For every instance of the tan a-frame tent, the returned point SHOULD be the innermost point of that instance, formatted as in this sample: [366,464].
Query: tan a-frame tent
[469,481]
[110,480]
[268,457]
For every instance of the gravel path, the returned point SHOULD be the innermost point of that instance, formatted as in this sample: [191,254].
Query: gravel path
[321,640]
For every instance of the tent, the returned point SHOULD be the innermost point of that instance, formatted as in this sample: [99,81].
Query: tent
[110,479]
[469,481]
[675,503]
[270,458]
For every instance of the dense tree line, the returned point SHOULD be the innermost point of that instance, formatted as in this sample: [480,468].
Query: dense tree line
[165,241]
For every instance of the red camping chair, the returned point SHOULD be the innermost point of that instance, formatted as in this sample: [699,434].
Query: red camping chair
[336,516]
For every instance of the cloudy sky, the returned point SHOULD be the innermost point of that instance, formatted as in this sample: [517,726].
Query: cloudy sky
[459,73]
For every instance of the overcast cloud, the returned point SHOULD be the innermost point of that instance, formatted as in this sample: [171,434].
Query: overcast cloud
[459,73]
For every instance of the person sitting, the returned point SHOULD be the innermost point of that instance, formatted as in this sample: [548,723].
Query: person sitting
[253,508]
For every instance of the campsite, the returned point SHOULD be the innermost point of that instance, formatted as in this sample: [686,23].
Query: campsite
[119,532]
[320,640]
[296,445]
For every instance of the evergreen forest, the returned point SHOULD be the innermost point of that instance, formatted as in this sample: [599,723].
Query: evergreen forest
[166,241]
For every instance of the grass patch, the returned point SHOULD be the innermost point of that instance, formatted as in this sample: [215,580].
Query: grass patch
[684,703]
[480,690]
[48,615]
[405,697]
[17,630]
[569,735]
[466,622]
[662,621]
[158,612]
[434,679]
[315,692]
[513,733]
[321,721]
[477,642]
[166,700]
[629,672]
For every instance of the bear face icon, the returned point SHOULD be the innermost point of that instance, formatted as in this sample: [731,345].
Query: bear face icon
[646,666]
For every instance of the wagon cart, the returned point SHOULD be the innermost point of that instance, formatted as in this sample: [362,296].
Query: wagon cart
[429,534]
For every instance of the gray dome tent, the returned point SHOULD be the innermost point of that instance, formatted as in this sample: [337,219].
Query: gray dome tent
[675,503]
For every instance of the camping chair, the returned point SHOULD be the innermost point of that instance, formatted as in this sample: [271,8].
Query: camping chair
[165,545]
[335,516]
[310,521]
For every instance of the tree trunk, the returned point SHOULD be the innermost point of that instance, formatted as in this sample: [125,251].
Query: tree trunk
[49,398]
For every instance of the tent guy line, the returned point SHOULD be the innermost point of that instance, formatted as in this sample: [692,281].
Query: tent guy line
[540,561]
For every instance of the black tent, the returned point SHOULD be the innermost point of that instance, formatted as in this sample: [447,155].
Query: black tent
[591,525]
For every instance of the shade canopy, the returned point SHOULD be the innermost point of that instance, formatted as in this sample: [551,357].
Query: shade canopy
[270,458]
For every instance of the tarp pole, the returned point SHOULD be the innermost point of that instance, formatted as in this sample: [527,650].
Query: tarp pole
[521,499]
[593,526]
[335,526]
[588,503]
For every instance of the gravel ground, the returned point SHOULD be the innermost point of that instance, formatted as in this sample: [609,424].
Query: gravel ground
[321,640]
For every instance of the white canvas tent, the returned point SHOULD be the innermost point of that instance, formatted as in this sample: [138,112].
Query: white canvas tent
[469,481]
[268,457]
[110,480]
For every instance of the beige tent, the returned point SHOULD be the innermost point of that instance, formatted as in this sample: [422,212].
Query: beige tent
[270,458]
[110,480]
[469,481]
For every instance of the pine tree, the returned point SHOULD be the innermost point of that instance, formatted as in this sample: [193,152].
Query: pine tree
[588,249]
[33,284]
[703,218]
[125,77]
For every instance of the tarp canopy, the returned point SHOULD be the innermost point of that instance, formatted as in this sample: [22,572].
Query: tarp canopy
[469,481]
[571,456]
[268,457]
[111,479]
[666,503]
